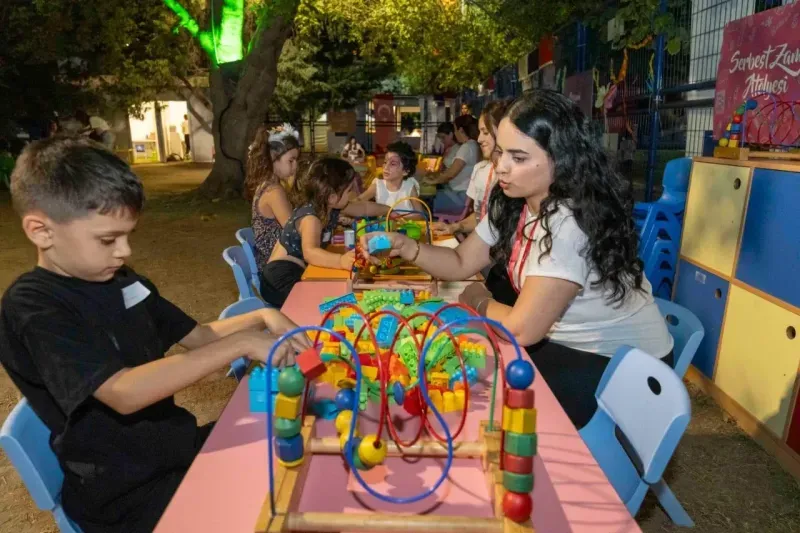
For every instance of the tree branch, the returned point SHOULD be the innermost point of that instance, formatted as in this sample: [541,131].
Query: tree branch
[190,90]
[187,21]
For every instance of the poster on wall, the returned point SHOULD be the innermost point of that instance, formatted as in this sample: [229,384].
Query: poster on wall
[760,59]
[579,88]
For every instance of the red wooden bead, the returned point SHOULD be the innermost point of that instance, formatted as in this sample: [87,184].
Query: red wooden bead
[519,399]
[737,119]
[413,402]
[517,464]
[517,507]
[310,364]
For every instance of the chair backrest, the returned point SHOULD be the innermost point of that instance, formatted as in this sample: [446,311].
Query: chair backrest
[26,441]
[675,182]
[649,403]
[234,256]
[239,366]
[247,239]
[687,331]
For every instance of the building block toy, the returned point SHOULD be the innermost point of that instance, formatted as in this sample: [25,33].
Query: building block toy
[379,245]
[310,364]
[287,407]
[386,331]
[330,304]
[519,420]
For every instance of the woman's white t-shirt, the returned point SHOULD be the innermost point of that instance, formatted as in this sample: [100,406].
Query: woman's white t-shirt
[591,323]
[470,154]
[409,187]
[482,179]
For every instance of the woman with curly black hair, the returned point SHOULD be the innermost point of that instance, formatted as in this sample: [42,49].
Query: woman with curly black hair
[560,219]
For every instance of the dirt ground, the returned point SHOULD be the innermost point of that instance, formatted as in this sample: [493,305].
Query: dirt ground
[724,480]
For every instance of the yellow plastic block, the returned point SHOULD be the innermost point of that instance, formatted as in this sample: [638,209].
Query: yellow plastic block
[346,312]
[365,347]
[370,372]
[449,400]
[286,407]
[404,380]
[351,338]
[460,398]
[438,379]
[519,420]
[331,347]
[436,399]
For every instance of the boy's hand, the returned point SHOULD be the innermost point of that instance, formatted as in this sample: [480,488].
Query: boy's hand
[277,323]
[347,260]
[442,228]
[256,345]
[401,246]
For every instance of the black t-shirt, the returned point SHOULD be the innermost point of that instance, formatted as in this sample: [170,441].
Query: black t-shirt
[60,339]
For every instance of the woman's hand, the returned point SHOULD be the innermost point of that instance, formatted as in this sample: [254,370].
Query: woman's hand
[347,260]
[474,295]
[400,246]
[441,229]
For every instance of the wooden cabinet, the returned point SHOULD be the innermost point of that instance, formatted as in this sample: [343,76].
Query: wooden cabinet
[714,210]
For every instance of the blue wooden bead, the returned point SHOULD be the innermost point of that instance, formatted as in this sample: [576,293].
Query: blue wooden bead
[289,449]
[345,399]
[399,393]
[519,374]
[752,104]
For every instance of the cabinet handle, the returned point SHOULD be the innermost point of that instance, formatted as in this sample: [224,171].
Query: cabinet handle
[717,294]
[790,332]
[737,183]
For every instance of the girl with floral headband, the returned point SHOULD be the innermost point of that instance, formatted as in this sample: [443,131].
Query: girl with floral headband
[271,166]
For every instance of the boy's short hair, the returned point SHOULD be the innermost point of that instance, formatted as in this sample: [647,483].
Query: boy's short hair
[407,156]
[69,177]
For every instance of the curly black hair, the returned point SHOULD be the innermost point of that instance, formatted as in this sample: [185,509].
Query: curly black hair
[583,181]
[407,156]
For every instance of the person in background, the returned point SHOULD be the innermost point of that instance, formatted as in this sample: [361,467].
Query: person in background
[353,151]
[446,136]
[560,220]
[97,129]
[452,197]
[397,181]
[627,151]
[465,110]
[187,140]
[271,166]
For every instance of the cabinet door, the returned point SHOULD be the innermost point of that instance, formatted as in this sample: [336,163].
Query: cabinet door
[769,257]
[714,211]
[758,357]
[704,294]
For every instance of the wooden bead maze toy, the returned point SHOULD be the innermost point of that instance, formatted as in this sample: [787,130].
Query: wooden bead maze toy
[393,272]
[507,450]
[765,126]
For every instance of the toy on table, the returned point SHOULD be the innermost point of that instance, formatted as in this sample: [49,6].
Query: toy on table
[767,130]
[507,462]
[380,245]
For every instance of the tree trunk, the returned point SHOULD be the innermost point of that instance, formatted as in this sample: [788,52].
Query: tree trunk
[240,95]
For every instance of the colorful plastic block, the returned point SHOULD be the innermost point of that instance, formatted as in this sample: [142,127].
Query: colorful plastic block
[287,407]
[330,304]
[449,400]
[519,420]
[517,507]
[520,483]
[436,399]
[370,372]
[520,444]
[519,399]
[289,450]
[386,331]
[379,245]
[438,379]
[310,364]
[460,398]
[518,464]
[287,427]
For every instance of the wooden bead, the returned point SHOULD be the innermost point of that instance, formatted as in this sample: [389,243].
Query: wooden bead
[519,399]
[517,482]
[519,374]
[345,399]
[342,422]
[287,427]
[517,507]
[291,382]
[289,450]
[343,438]
[310,364]
[520,444]
[519,420]
[286,407]
[518,464]
[372,451]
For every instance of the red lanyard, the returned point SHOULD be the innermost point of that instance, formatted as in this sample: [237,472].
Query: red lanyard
[486,192]
[515,258]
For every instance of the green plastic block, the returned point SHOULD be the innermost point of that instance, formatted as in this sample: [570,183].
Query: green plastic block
[287,427]
[452,366]
[520,483]
[475,360]
[520,444]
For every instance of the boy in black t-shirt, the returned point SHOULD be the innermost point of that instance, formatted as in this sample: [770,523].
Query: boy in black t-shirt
[83,337]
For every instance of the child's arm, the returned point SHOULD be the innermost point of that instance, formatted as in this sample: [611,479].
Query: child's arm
[310,231]
[278,202]
[132,389]
[365,209]
[276,322]
[369,194]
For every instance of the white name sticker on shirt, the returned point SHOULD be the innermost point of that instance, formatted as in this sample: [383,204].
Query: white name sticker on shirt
[326,236]
[134,294]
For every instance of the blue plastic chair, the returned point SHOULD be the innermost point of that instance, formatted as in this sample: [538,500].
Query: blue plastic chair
[239,366]
[687,331]
[234,256]
[247,239]
[26,441]
[647,401]
[674,186]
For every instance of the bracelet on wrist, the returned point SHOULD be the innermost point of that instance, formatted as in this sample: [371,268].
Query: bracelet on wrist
[485,304]
[416,255]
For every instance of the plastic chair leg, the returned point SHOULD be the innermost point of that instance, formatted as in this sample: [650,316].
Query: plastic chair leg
[238,368]
[671,505]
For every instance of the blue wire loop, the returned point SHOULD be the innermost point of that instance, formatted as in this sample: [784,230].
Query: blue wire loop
[423,387]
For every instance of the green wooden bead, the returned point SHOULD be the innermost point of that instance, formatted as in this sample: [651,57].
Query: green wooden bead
[520,483]
[287,427]
[291,382]
[520,444]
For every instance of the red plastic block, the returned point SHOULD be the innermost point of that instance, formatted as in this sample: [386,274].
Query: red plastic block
[517,464]
[519,399]
[310,364]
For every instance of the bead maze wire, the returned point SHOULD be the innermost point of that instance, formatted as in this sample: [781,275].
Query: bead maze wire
[422,387]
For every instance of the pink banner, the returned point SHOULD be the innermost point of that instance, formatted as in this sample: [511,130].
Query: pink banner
[761,54]
[385,123]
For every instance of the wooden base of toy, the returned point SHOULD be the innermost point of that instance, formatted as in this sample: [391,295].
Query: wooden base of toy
[289,483]
[744,154]
[416,281]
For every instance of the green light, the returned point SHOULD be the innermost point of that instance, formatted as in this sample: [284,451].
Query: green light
[229,47]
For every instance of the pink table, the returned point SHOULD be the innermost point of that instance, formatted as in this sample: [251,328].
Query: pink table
[226,485]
